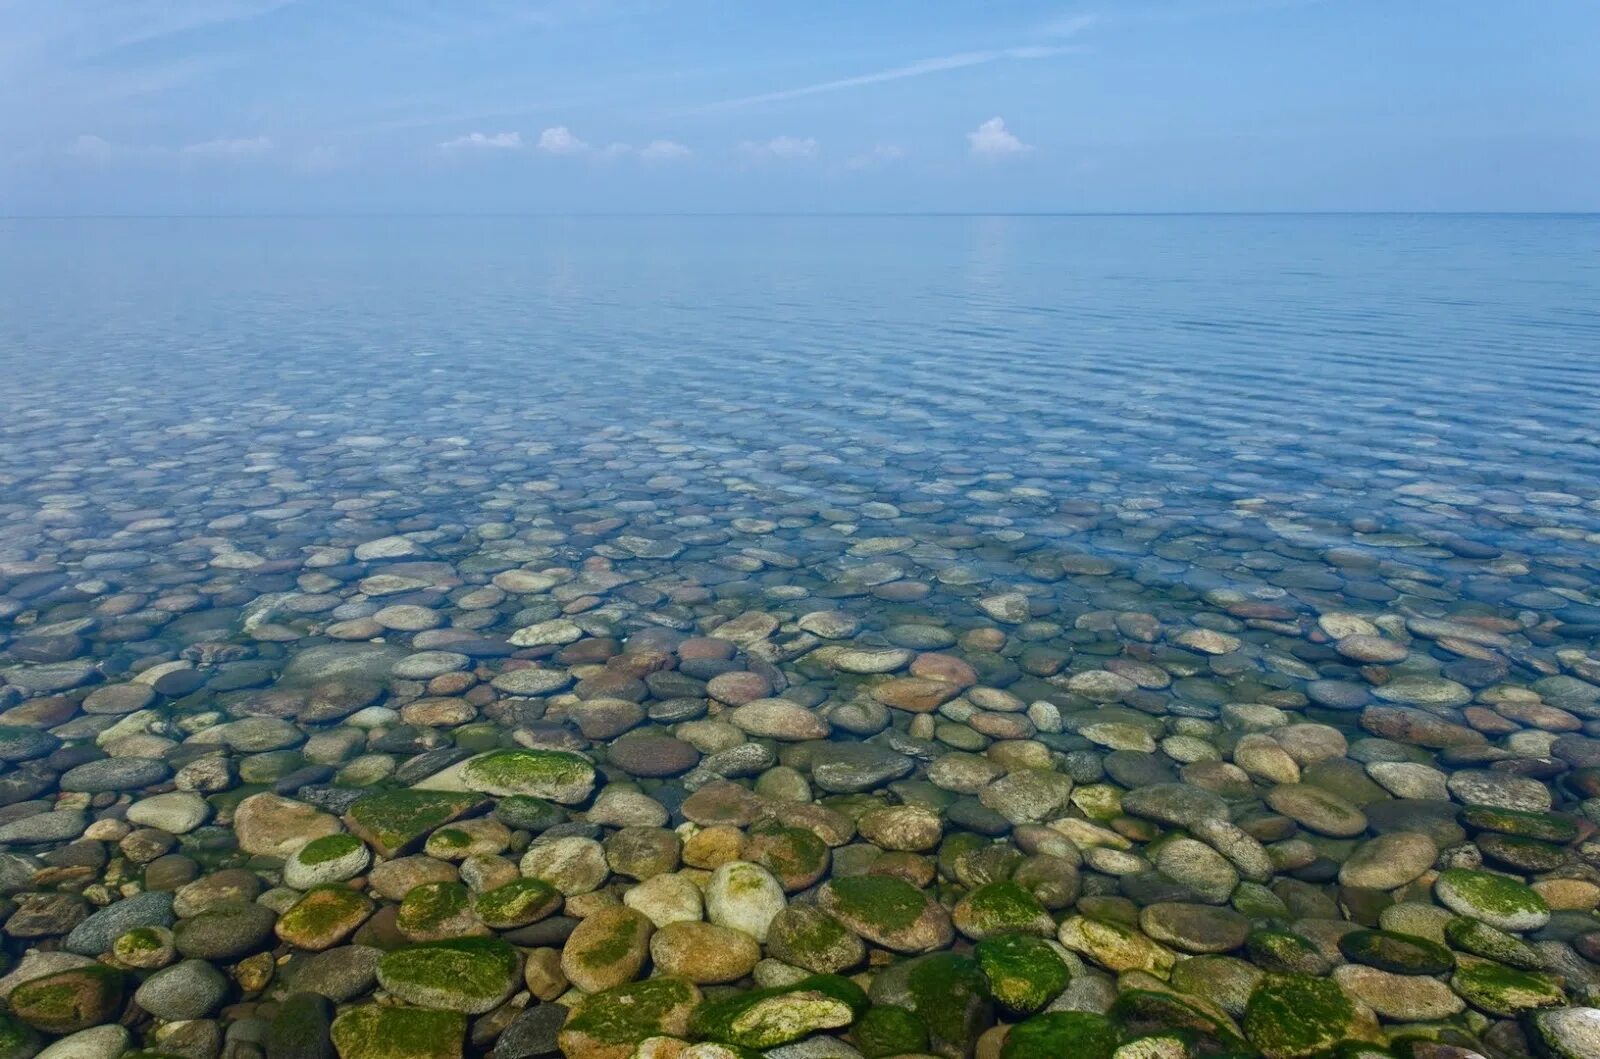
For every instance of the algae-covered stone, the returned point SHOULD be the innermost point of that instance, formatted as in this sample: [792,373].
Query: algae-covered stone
[516,904]
[609,1024]
[1024,973]
[887,911]
[744,896]
[1495,899]
[1148,1011]
[71,1000]
[1505,991]
[556,775]
[1001,907]
[1115,947]
[807,937]
[885,1030]
[767,1018]
[606,949]
[947,991]
[395,822]
[329,859]
[1058,1034]
[374,1032]
[324,917]
[19,1041]
[470,975]
[1480,939]
[1397,953]
[1295,1015]
[437,910]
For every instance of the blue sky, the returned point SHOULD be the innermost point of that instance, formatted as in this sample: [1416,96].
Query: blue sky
[252,106]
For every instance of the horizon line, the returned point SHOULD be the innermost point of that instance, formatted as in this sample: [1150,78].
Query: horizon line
[576,214]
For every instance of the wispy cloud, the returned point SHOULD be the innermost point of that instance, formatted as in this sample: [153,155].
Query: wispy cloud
[664,151]
[559,140]
[920,68]
[237,147]
[779,147]
[993,140]
[484,141]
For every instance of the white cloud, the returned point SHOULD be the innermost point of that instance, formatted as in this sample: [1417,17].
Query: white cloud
[497,141]
[993,140]
[559,140]
[237,147]
[780,147]
[664,151]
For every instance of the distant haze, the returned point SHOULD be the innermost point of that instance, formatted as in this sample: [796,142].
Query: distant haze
[472,106]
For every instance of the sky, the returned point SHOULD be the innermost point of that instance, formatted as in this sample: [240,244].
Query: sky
[557,106]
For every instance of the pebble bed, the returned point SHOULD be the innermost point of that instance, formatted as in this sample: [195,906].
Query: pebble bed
[764,705]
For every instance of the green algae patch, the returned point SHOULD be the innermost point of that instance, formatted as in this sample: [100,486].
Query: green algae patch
[558,775]
[374,1032]
[767,1018]
[1062,1035]
[17,1039]
[516,904]
[1399,953]
[1499,901]
[887,1030]
[1292,1016]
[324,917]
[1547,827]
[394,822]
[436,908]
[1480,939]
[1506,991]
[608,1024]
[883,900]
[951,995]
[469,975]
[71,1000]
[1152,1011]
[327,848]
[1001,907]
[1024,972]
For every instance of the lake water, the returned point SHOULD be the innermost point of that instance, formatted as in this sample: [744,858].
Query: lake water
[1302,513]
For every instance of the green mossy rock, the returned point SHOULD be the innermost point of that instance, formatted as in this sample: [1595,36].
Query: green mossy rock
[556,775]
[1547,827]
[885,1030]
[71,1000]
[374,1032]
[324,917]
[887,911]
[437,911]
[1024,973]
[17,1041]
[795,856]
[609,1024]
[1398,953]
[1062,1035]
[767,1018]
[1506,991]
[1495,899]
[1292,1016]
[470,975]
[1285,952]
[809,938]
[1480,939]
[947,991]
[1002,908]
[516,904]
[395,822]
[1149,1011]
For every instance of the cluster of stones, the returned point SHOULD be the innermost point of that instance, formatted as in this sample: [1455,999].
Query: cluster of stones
[433,793]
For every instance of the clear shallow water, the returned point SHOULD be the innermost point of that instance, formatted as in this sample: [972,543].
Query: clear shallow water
[1164,484]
